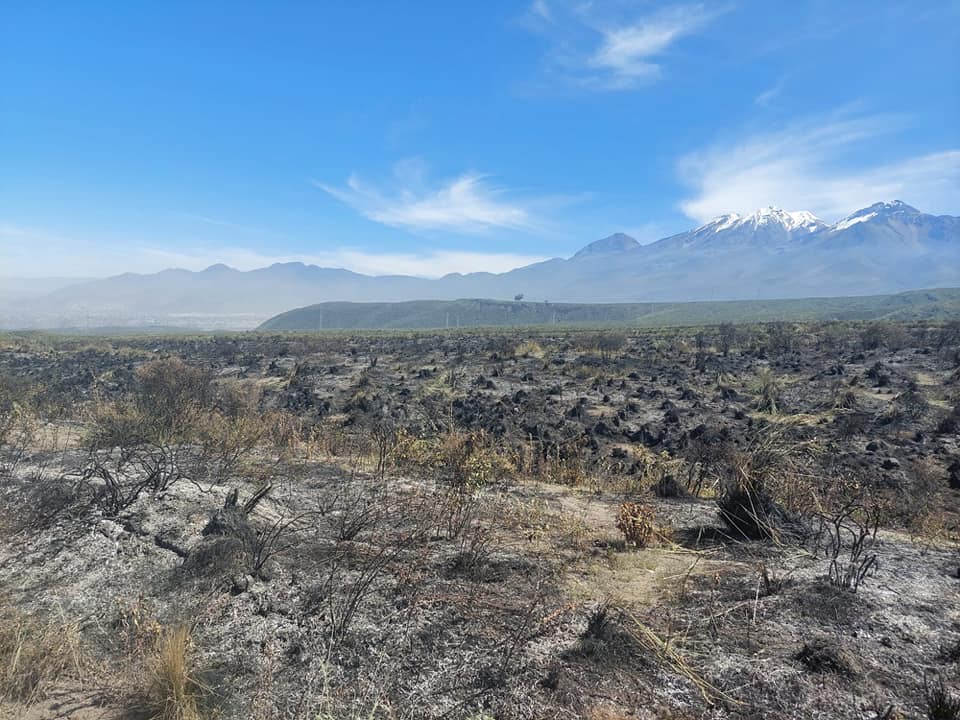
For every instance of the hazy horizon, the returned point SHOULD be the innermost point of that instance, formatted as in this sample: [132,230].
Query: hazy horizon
[438,139]
[405,265]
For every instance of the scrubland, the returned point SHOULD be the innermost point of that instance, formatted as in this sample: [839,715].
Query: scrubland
[721,522]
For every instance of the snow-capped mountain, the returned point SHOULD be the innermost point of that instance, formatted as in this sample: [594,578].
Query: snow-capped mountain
[894,222]
[770,228]
[771,253]
[882,210]
[799,221]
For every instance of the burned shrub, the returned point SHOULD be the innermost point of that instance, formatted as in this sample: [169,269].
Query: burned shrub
[851,515]
[874,336]
[765,490]
[941,704]
[117,478]
[909,406]
[953,475]
[230,544]
[749,510]
[608,344]
[636,522]
[878,374]
[767,388]
[781,338]
[727,336]
[843,397]
[668,487]
[852,535]
[951,423]
[823,655]
[598,622]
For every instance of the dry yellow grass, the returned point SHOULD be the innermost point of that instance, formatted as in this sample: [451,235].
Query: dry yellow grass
[174,692]
[636,522]
[35,654]
[529,348]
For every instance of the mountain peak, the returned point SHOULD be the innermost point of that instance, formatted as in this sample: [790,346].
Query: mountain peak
[618,242]
[797,220]
[770,216]
[877,209]
[892,206]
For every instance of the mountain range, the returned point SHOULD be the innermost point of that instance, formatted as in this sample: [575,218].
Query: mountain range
[886,248]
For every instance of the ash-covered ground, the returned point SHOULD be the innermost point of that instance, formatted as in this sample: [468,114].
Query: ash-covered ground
[726,522]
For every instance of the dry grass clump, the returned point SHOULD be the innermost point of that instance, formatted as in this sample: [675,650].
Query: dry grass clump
[769,485]
[767,389]
[636,522]
[529,348]
[843,397]
[174,691]
[34,654]
[824,655]
[459,458]
[658,472]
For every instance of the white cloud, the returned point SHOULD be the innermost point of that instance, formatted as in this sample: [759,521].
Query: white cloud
[599,46]
[627,52]
[801,167]
[468,203]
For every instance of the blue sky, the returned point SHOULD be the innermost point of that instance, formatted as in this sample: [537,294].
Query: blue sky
[430,137]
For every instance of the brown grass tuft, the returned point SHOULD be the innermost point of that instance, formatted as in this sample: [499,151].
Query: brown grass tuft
[174,692]
[35,654]
[636,522]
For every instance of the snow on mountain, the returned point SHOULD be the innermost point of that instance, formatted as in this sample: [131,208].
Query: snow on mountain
[721,223]
[851,221]
[770,253]
[769,227]
[797,221]
[896,208]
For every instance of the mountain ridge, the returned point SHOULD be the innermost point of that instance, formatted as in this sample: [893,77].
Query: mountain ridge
[885,248]
[929,304]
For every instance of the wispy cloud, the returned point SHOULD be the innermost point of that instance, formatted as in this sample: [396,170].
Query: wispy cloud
[469,203]
[540,9]
[765,98]
[809,165]
[602,47]
[628,53]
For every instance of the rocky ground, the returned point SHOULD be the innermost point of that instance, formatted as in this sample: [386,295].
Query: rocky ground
[755,522]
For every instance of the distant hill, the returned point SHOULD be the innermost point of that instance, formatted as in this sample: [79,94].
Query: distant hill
[939,304]
[616,243]
[885,248]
